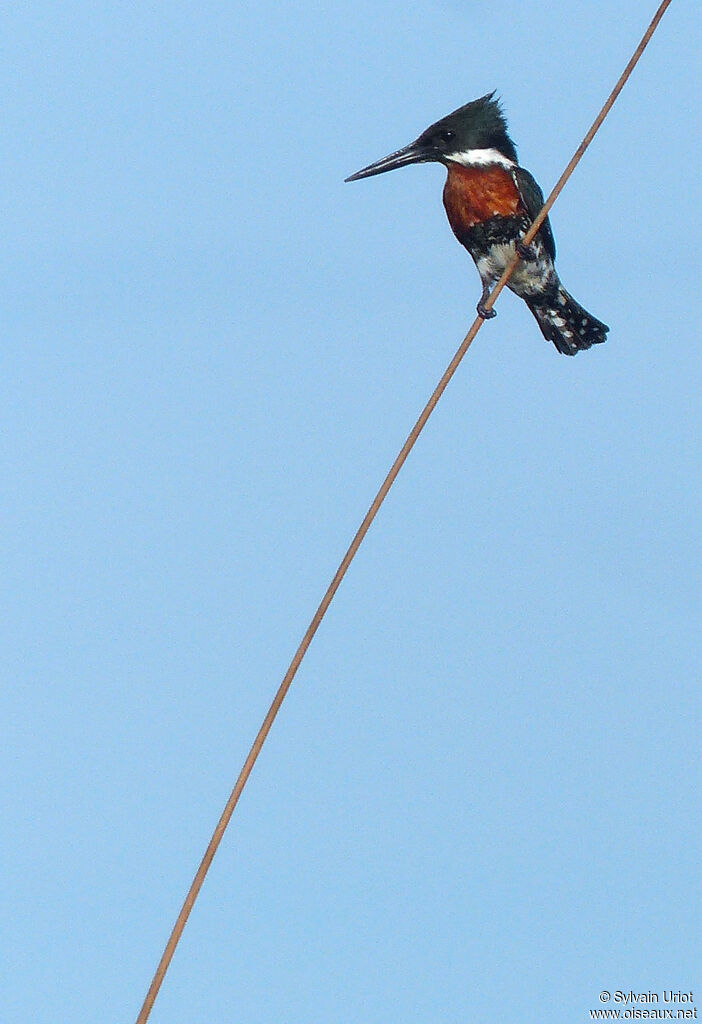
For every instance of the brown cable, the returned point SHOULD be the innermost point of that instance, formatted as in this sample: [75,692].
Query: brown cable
[363,530]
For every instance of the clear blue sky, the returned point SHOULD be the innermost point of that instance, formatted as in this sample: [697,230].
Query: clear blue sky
[482,799]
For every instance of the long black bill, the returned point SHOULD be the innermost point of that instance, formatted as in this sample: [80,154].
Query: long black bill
[416,153]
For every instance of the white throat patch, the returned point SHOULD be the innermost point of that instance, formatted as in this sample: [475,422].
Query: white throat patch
[480,158]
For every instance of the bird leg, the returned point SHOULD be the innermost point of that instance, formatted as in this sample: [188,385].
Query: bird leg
[483,313]
[525,252]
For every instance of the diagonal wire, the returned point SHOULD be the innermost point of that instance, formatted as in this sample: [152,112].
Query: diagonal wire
[363,530]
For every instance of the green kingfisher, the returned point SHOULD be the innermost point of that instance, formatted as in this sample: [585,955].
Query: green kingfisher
[490,203]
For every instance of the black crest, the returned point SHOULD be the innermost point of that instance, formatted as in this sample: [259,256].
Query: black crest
[479,124]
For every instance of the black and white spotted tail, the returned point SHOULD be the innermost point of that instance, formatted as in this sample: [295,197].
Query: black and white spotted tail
[564,322]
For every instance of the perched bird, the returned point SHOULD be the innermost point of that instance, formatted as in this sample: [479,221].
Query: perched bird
[491,202]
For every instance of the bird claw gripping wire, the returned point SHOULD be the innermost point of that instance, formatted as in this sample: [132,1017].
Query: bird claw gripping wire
[485,314]
[525,252]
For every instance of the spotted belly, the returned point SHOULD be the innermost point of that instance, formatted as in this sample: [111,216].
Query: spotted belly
[492,246]
[530,278]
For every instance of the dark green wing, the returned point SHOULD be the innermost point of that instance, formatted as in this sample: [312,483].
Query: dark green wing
[533,199]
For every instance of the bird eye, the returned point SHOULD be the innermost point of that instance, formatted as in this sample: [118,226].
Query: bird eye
[447,135]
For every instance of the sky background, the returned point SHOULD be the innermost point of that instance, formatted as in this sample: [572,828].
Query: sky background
[481,801]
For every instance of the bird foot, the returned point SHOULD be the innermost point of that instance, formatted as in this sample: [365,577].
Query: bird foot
[525,252]
[485,314]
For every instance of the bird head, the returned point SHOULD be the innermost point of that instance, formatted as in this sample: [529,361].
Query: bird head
[474,134]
